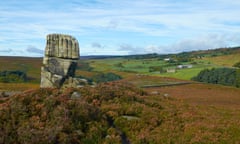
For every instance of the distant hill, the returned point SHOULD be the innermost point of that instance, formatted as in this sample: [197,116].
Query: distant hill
[215,52]
[99,57]
[218,51]
[210,52]
[32,66]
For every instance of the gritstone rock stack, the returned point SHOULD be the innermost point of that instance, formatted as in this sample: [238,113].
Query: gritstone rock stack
[60,61]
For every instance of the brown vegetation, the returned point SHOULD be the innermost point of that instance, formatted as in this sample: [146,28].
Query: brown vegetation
[203,94]
[115,112]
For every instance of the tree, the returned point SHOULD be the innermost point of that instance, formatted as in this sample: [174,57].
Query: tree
[13,76]
[238,78]
[224,76]
[105,77]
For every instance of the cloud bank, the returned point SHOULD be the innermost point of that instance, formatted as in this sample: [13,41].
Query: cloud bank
[120,26]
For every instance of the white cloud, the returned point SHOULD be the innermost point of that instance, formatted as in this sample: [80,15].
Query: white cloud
[198,43]
[130,49]
[206,42]
[190,24]
[153,49]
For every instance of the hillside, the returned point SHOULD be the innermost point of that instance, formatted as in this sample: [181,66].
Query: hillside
[131,63]
[224,60]
[29,65]
[184,65]
[143,107]
[125,66]
[116,112]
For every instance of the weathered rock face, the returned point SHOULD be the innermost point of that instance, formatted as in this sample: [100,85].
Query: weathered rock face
[62,46]
[60,61]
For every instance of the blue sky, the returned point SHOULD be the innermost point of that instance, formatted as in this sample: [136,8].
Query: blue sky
[119,27]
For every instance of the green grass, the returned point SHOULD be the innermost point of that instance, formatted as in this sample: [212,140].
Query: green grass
[31,66]
[224,60]
[141,66]
[185,74]
[124,66]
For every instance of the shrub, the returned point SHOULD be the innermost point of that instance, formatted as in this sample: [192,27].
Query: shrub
[51,116]
[13,76]
[106,77]
[157,69]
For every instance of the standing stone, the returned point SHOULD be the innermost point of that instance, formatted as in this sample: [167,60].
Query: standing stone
[60,61]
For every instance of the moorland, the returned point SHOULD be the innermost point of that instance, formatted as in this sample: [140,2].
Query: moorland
[190,97]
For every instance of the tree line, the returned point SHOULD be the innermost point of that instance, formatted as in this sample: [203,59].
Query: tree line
[224,76]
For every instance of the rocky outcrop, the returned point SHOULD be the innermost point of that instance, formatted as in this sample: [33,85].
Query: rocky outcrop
[62,46]
[60,61]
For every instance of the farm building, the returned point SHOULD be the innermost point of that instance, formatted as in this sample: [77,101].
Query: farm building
[184,66]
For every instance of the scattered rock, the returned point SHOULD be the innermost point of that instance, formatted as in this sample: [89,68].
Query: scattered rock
[8,93]
[75,95]
[166,95]
[130,117]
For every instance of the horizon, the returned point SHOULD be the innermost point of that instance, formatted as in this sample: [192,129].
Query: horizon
[119,27]
[130,54]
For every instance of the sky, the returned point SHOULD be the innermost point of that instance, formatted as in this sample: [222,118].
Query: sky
[119,27]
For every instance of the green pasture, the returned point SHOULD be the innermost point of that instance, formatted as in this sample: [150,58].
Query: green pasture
[185,74]
[141,66]
[125,65]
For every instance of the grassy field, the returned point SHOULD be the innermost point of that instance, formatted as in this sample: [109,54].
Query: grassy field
[185,74]
[225,60]
[142,67]
[31,66]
